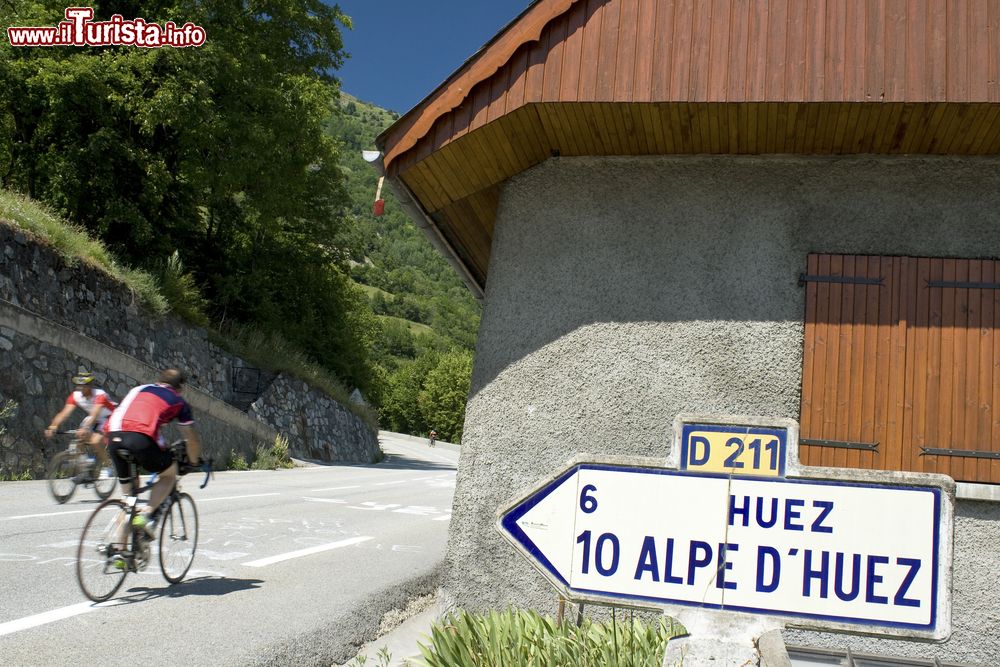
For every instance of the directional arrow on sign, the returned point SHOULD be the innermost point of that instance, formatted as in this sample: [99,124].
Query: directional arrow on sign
[822,553]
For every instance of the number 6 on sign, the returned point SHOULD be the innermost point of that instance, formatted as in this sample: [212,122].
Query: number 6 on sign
[588,503]
[714,448]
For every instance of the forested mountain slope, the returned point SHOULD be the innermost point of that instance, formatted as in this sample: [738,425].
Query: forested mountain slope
[429,319]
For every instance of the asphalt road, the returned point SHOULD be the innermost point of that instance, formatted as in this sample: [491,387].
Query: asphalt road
[292,567]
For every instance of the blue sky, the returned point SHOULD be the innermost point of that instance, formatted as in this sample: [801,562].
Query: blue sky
[401,50]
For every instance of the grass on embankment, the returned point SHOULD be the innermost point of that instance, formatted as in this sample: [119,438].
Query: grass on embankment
[74,245]
[265,350]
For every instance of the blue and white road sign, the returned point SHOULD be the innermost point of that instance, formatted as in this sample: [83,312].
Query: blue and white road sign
[822,553]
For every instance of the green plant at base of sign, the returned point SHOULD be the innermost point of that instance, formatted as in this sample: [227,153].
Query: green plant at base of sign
[517,638]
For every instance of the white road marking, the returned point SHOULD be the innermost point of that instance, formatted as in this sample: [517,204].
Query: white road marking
[442,518]
[307,552]
[419,510]
[51,616]
[254,495]
[335,488]
[373,506]
[222,555]
[65,544]
[324,500]
[34,516]
[401,481]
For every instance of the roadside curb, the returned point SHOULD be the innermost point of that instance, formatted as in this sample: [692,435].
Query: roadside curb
[402,643]
[338,641]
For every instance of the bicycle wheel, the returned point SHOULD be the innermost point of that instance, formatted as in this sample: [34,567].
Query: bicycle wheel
[62,476]
[104,486]
[105,534]
[178,538]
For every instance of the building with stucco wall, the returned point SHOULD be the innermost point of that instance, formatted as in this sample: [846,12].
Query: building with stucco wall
[733,207]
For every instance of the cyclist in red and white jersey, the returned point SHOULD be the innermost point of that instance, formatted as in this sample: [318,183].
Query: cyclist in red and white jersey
[135,426]
[98,406]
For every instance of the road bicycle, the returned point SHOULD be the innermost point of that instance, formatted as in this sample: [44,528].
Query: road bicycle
[78,465]
[111,546]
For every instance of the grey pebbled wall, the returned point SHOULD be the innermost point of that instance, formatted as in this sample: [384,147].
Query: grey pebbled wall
[623,291]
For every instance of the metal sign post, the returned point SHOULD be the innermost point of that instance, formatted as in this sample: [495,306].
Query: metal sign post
[736,539]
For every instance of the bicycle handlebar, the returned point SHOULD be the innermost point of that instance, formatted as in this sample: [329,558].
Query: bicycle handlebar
[178,449]
[206,467]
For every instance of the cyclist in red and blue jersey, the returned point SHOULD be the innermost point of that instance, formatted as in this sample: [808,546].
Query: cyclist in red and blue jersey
[98,405]
[135,426]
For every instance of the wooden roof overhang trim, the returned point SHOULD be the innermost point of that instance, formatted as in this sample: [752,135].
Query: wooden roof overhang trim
[650,77]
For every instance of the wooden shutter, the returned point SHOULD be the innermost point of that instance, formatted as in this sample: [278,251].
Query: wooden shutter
[902,352]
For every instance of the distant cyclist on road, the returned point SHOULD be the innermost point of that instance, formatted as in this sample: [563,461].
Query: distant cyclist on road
[433,436]
[135,426]
[98,406]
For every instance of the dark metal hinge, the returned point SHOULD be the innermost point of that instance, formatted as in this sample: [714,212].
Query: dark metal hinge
[841,444]
[962,285]
[968,453]
[850,280]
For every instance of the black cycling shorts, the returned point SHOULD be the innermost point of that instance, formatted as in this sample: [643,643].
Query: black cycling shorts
[144,450]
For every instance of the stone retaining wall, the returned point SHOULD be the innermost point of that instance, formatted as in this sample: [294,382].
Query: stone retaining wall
[55,318]
[33,374]
[92,303]
[317,426]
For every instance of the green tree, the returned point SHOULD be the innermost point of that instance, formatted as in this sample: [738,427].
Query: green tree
[394,256]
[395,340]
[216,156]
[445,392]
[400,409]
